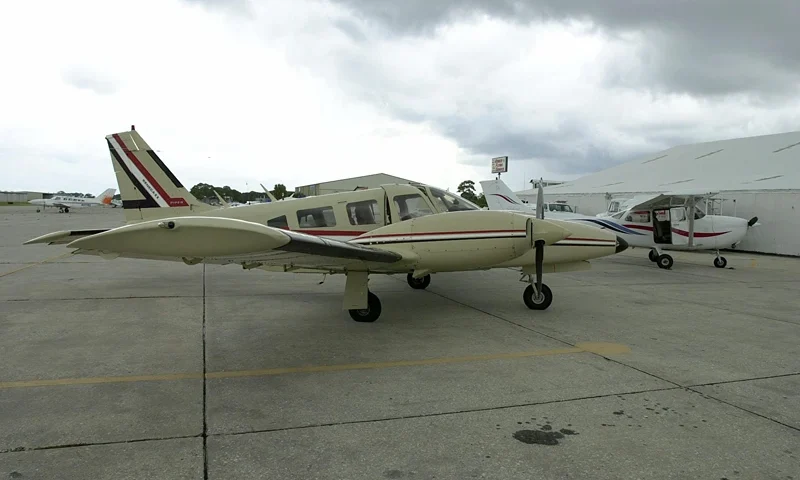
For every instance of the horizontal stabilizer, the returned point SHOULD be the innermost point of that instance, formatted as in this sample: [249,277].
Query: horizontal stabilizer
[64,236]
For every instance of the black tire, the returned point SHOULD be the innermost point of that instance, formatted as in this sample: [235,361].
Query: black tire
[528,298]
[720,262]
[66,210]
[371,313]
[653,256]
[418,283]
[664,261]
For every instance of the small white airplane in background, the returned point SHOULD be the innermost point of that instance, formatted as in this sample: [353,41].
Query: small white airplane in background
[65,202]
[665,215]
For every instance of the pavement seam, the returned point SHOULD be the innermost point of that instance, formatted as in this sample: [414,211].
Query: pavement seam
[205,384]
[711,397]
[94,444]
[724,382]
[442,414]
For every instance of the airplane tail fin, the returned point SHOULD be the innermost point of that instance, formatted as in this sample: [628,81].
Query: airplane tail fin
[149,190]
[271,196]
[107,195]
[500,197]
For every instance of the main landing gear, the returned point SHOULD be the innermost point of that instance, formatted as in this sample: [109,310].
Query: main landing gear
[661,259]
[369,314]
[420,283]
[63,209]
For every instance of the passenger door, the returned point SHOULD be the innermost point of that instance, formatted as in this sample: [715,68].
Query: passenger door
[679,226]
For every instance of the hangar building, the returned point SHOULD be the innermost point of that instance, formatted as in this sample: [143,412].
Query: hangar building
[349,184]
[752,176]
[19,197]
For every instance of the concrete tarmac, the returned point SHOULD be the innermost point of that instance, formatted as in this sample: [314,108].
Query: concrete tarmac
[139,369]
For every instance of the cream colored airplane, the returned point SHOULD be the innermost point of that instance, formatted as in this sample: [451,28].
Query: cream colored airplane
[415,230]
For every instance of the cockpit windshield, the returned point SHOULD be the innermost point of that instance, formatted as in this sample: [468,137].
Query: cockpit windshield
[560,207]
[447,202]
[411,206]
[698,213]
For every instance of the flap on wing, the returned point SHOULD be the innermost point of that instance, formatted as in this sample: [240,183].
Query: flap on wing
[64,236]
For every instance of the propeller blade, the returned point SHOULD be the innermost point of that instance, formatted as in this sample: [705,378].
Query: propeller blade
[540,201]
[752,221]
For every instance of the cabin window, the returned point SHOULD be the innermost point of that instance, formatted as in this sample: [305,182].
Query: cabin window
[316,217]
[363,213]
[411,206]
[639,217]
[278,222]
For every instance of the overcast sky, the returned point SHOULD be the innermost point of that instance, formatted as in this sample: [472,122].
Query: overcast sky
[237,92]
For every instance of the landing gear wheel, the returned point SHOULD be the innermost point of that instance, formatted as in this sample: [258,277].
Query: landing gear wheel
[66,210]
[664,261]
[418,283]
[369,314]
[653,256]
[537,303]
[38,210]
[720,262]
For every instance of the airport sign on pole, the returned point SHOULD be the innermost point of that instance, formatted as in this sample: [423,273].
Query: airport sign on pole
[500,165]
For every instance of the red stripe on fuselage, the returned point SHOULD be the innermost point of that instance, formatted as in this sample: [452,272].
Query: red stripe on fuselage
[698,234]
[442,233]
[332,233]
[172,202]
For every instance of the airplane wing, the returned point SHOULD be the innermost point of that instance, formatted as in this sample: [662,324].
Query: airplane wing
[225,241]
[664,199]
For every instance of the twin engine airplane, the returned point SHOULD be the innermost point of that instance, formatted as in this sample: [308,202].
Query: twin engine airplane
[666,221]
[407,229]
[65,202]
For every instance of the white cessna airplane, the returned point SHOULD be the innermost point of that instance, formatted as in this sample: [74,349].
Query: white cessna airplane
[65,202]
[658,222]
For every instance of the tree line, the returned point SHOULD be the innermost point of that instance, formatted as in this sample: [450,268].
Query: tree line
[467,190]
[205,192]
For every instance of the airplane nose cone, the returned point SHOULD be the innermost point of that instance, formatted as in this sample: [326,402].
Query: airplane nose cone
[622,245]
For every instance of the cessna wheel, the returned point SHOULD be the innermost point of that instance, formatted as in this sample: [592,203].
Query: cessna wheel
[369,314]
[418,283]
[537,304]
[720,262]
[664,261]
[653,256]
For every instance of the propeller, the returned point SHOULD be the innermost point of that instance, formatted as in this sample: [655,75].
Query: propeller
[540,201]
[752,221]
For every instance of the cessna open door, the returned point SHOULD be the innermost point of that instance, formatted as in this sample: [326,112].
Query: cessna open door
[679,226]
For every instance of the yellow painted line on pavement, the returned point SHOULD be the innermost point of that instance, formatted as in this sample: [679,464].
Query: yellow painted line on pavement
[588,347]
[57,257]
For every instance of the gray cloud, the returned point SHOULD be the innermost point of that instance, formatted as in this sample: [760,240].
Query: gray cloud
[712,47]
[87,79]
[237,7]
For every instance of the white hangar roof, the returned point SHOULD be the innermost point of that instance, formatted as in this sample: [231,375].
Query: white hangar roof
[766,162]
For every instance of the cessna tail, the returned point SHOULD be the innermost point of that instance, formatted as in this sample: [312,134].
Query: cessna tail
[149,190]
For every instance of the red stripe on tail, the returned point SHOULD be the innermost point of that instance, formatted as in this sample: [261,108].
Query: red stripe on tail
[172,202]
